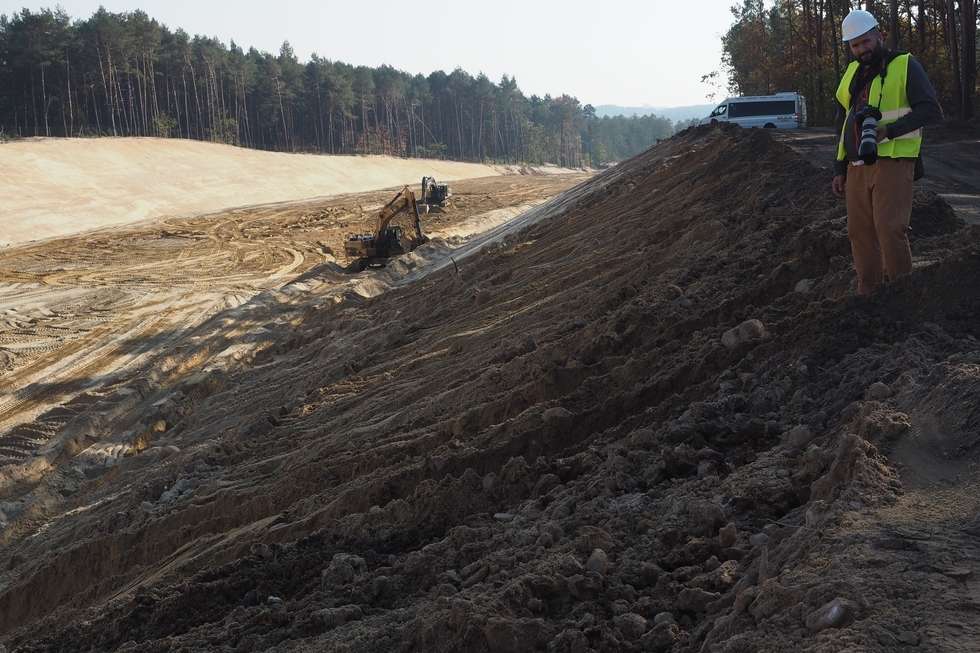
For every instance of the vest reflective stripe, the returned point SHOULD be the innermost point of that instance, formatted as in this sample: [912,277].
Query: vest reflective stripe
[895,115]
[893,102]
[915,135]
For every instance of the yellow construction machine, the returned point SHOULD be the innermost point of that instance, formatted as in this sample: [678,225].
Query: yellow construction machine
[387,240]
[435,196]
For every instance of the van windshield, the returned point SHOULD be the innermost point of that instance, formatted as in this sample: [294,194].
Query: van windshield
[762,108]
[720,110]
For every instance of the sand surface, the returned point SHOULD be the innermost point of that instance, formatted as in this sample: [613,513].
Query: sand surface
[54,187]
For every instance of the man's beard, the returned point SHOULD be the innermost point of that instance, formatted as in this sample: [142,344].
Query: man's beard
[874,57]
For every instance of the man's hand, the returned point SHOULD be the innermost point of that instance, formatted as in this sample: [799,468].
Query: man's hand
[838,185]
[882,133]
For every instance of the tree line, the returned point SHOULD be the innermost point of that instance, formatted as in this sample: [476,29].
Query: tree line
[796,45]
[125,74]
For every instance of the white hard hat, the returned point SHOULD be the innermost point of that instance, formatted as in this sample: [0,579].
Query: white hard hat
[856,23]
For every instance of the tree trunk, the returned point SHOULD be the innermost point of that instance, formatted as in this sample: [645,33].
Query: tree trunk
[44,102]
[894,36]
[282,112]
[71,110]
[968,15]
[922,26]
[949,26]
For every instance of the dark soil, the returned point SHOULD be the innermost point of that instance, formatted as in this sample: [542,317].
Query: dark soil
[658,420]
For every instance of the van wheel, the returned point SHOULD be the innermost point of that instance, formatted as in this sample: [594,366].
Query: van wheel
[714,122]
[769,125]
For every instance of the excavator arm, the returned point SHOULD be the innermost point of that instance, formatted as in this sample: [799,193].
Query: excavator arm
[387,241]
[403,201]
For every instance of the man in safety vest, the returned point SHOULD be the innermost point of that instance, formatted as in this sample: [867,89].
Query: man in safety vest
[879,193]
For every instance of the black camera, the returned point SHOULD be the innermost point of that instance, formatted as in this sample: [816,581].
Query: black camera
[868,147]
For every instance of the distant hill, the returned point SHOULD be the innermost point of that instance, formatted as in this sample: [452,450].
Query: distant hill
[676,114]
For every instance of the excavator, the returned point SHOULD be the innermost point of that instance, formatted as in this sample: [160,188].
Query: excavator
[387,240]
[435,196]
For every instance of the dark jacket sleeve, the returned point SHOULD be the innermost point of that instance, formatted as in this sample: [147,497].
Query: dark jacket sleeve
[922,100]
[840,167]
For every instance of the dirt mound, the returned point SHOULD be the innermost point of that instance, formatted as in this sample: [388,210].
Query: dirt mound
[933,216]
[656,421]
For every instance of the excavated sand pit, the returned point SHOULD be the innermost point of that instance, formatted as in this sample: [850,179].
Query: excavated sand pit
[655,420]
[60,186]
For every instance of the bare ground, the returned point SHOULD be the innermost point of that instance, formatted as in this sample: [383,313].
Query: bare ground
[58,186]
[653,419]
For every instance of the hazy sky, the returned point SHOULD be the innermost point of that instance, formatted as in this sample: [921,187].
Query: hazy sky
[627,52]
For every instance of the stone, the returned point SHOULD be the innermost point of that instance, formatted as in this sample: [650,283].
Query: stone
[879,391]
[545,484]
[748,331]
[571,640]
[631,625]
[569,565]
[489,482]
[663,618]
[444,589]
[584,588]
[804,285]
[727,536]
[343,569]
[598,562]
[744,599]
[162,453]
[333,617]
[759,539]
[799,437]
[640,438]
[451,576]
[251,598]
[504,516]
[661,638]
[556,415]
[591,538]
[773,597]
[837,613]
[815,514]
[357,562]
[707,468]
[380,586]
[674,291]
[707,515]
[692,599]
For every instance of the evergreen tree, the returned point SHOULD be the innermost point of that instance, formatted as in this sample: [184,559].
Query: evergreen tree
[125,74]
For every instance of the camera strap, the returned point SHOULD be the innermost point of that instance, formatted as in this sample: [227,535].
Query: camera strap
[881,93]
[884,71]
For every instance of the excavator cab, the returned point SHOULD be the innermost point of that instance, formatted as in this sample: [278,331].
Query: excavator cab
[387,240]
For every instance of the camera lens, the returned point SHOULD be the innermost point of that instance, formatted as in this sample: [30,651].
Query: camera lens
[868,147]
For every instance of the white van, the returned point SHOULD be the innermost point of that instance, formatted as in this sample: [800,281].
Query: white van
[779,111]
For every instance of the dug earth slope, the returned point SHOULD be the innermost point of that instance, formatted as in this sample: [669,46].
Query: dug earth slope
[657,420]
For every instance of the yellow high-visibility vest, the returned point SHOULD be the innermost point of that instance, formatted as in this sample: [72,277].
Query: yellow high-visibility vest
[892,101]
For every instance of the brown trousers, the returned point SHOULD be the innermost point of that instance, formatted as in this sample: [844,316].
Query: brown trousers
[879,206]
